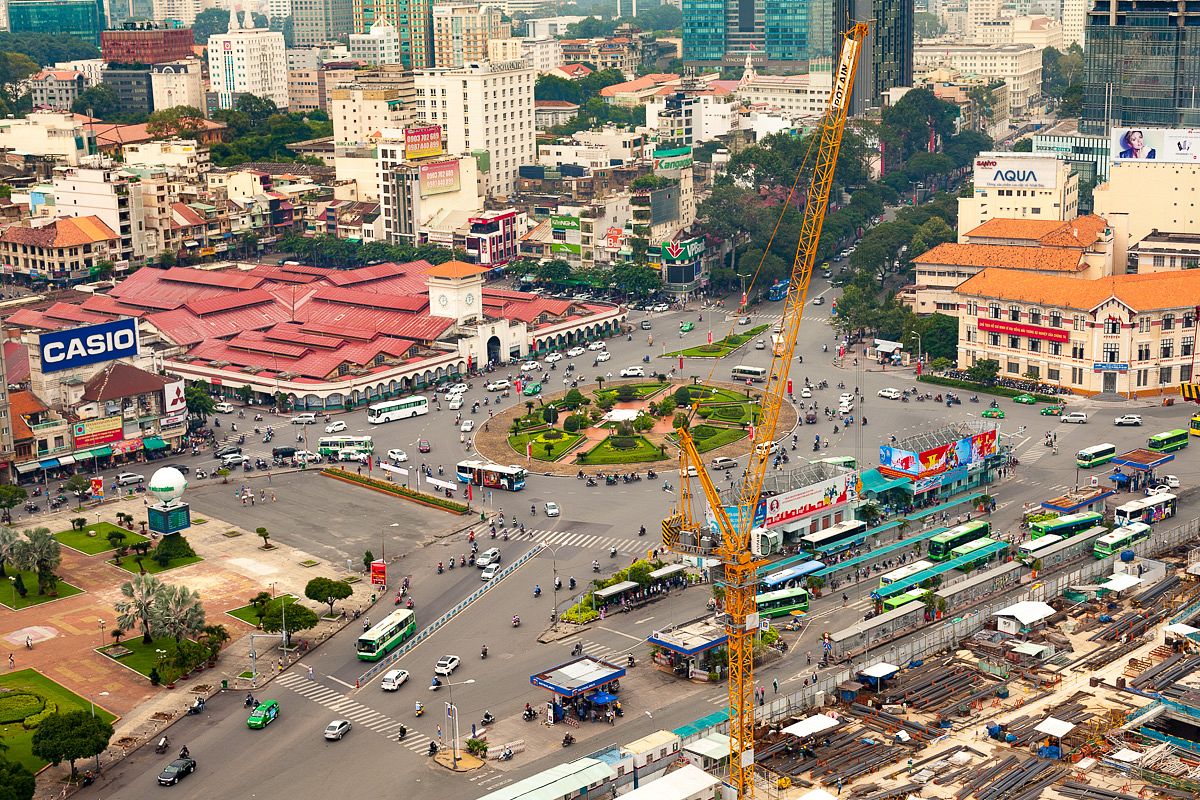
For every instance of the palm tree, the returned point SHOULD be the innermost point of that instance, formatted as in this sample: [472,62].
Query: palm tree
[139,608]
[600,382]
[40,553]
[8,547]
[213,637]
[179,612]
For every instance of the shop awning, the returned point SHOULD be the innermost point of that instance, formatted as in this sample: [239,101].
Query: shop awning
[154,443]
[23,469]
[873,481]
[49,463]
[100,452]
[66,461]
[603,698]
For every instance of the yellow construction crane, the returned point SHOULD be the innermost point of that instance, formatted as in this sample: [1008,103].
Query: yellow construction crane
[739,562]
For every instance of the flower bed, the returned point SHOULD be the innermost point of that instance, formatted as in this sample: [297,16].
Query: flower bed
[400,491]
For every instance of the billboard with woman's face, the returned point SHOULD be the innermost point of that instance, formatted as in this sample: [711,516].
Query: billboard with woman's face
[1175,145]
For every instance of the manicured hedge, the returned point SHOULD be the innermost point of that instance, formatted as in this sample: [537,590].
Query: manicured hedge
[396,489]
[16,706]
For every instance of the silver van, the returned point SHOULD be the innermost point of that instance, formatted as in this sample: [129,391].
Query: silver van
[723,462]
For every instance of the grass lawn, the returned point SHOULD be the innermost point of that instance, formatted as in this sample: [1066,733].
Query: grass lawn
[94,545]
[640,391]
[18,741]
[143,656]
[10,598]
[605,453]
[719,437]
[716,394]
[557,446]
[130,564]
[732,413]
[720,348]
[246,613]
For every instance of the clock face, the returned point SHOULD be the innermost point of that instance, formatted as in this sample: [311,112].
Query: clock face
[470,298]
[443,300]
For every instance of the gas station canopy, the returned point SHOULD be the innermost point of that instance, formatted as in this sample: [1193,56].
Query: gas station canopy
[578,677]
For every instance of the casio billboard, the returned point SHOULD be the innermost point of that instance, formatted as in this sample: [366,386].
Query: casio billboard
[90,344]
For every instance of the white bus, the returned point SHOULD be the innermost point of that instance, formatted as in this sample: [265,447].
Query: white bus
[1035,547]
[1149,510]
[835,538]
[491,476]
[744,373]
[908,570]
[345,448]
[400,408]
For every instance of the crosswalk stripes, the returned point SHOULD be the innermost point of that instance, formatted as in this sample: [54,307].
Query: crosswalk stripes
[602,652]
[585,541]
[357,713]
[490,779]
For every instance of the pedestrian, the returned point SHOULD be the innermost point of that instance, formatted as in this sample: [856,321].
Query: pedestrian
[809,657]
[11,662]
[311,676]
[839,785]
[273,496]
[775,684]
[439,732]
[280,665]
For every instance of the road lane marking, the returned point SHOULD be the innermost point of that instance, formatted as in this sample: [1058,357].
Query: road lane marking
[622,633]
[342,682]
[640,621]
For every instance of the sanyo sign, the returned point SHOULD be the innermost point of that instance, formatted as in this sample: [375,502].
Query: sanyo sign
[1002,171]
[91,344]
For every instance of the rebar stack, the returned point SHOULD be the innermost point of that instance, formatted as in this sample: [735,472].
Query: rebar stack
[939,685]
[1014,779]
[1165,673]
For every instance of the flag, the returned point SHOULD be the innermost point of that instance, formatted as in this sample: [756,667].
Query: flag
[710,337]
[752,433]
[370,463]
[470,493]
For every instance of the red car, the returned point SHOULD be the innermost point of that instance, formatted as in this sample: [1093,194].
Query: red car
[423,446]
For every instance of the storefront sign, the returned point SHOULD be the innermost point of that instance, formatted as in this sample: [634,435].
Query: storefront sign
[378,573]
[439,178]
[563,222]
[678,158]
[680,252]
[174,399]
[423,142]
[809,500]
[90,344]
[97,431]
[1109,366]
[172,421]
[127,446]
[1020,329]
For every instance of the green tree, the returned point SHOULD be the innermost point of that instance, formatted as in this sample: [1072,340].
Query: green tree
[245,393]
[550,415]
[40,553]
[984,371]
[79,485]
[939,336]
[47,48]
[70,737]
[554,87]
[117,540]
[178,612]
[929,235]
[680,422]
[8,547]
[927,25]
[554,271]
[183,121]
[870,513]
[266,536]
[259,603]
[1023,146]
[99,101]
[299,618]
[573,400]
[167,259]
[199,402]
[139,607]
[327,590]
[11,496]
[16,781]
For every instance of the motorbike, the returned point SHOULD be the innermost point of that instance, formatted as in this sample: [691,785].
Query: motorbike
[433,748]
[568,740]
[196,707]
[400,734]
[250,701]
[630,661]
[528,715]
[645,359]
[483,652]
[488,719]
[440,568]
[451,563]
[506,755]
[435,684]
[577,649]
[163,744]
[420,710]
[590,482]
[612,552]
[516,621]
[651,474]
[32,508]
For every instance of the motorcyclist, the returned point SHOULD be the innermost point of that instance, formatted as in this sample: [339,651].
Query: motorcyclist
[537,590]
[595,565]
[612,552]
[483,651]
[184,752]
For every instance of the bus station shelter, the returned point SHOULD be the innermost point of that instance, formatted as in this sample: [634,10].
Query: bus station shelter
[607,595]
[583,684]
[685,647]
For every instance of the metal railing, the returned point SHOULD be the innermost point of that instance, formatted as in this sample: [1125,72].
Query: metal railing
[437,624]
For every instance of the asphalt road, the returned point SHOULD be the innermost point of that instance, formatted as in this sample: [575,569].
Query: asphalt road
[290,756]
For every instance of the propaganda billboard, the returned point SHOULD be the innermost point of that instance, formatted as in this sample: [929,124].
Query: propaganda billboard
[90,344]
[95,432]
[936,460]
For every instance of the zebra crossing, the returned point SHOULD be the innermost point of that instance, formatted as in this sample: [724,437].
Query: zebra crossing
[597,650]
[586,541]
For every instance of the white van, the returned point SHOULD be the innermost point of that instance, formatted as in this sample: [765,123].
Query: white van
[393,679]
[307,418]
[456,402]
[223,408]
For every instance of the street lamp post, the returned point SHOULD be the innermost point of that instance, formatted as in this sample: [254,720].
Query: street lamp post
[554,567]
[383,540]
[102,625]
[918,346]
[452,712]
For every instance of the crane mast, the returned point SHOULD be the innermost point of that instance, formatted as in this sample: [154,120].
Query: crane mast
[739,563]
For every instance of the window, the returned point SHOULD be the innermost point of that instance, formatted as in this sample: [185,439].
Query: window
[1143,351]
[1035,346]
[1076,350]
[1160,261]
[1055,319]
[1014,313]
[1053,375]
[1034,371]
[1013,368]
[1168,322]
[1112,353]
[973,309]
[1112,326]
[1164,375]
[971,334]
[1014,342]
[1189,319]
[1187,346]
[1185,373]
[994,310]
[1077,375]
[994,339]
[1143,324]
[1166,348]
[1143,377]
[1035,316]
[1079,322]
[1055,348]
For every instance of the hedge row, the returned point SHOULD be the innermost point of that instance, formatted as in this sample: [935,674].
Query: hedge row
[16,706]
[999,391]
[37,719]
[396,489]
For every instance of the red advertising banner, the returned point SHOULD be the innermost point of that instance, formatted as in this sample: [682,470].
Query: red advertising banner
[97,487]
[439,178]
[378,573]
[1020,329]
[809,500]
[423,142]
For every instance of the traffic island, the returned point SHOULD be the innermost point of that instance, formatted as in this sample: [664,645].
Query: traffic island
[464,763]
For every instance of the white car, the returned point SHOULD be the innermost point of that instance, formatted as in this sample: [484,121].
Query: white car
[307,418]
[397,455]
[223,408]
[1168,482]
[890,393]
[597,346]
[489,572]
[767,447]
[553,357]
[818,301]
[552,509]
[446,665]
[530,366]
[1075,417]
[806,393]
[844,398]
[335,730]
[575,352]
[661,307]
[467,426]
[1128,419]
[745,321]
[760,345]
[336,426]
[393,679]
[498,386]
[458,388]
[633,372]
[603,356]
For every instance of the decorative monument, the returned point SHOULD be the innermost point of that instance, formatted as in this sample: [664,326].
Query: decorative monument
[169,514]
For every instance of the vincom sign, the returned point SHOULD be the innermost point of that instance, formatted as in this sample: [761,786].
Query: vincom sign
[91,344]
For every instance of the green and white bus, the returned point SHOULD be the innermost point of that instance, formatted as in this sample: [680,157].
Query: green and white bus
[1121,539]
[940,546]
[782,602]
[1096,455]
[971,547]
[395,629]
[346,448]
[849,462]
[1065,526]
[400,408]
[1168,441]
[916,595]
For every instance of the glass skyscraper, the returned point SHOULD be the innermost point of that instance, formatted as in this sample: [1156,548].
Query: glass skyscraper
[887,57]
[777,34]
[1141,65]
[83,19]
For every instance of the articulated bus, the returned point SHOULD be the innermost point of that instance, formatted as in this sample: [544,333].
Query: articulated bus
[1096,455]
[1168,441]
[906,571]
[1121,539]
[844,535]
[940,546]
[395,629]
[1065,526]
[971,547]
[782,602]
[400,408]
[916,595]
[1030,550]
[1150,509]
[743,373]
[491,476]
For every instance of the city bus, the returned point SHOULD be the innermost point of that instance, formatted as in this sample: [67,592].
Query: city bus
[940,546]
[1033,549]
[1065,526]
[908,570]
[400,408]
[492,476]
[778,291]
[782,602]
[849,462]
[1121,539]
[1168,441]
[396,628]
[971,547]
[844,535]
[1194,425]
[1096,455]
[345,448]
[746,373]
[915,596]
[790,577]
[1150,509]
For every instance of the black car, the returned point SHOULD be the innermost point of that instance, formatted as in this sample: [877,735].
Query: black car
[184,468]
[179,768]
[282,452]
[227,450]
